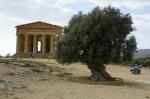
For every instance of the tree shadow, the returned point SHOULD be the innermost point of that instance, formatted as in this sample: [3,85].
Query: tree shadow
[137,85]
[87,80]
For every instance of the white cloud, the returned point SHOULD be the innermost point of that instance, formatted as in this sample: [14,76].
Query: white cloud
[142,24]
[132,4]
[15,12]
[24,11]
[7,32]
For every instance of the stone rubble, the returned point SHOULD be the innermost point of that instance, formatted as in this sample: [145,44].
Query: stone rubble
[10,85]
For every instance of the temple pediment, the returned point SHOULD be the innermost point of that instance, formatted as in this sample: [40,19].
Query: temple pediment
[38,24]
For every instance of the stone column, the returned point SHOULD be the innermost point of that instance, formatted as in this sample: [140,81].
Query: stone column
[26,44]
[18,44]
[34,44]
[43,44]
[52,44]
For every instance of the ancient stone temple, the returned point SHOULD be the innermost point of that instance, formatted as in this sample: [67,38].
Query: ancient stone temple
[37,38]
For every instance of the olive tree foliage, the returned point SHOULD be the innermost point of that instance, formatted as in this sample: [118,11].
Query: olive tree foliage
[90,39]
[129,48]
[124,51]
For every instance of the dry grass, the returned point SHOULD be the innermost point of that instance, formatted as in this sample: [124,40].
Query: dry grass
[54,84]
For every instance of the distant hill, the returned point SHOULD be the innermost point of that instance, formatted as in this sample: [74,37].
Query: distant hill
[141,53]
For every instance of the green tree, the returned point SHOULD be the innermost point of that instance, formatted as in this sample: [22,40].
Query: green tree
[129,48]
[116,54]
[8,55]
[90,39]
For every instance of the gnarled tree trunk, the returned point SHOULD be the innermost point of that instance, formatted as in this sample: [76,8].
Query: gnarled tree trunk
[99,73]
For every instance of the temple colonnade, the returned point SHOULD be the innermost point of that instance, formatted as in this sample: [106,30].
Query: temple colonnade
[28,43]
[37,38]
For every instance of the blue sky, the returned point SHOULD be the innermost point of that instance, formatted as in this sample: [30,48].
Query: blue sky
[15,12]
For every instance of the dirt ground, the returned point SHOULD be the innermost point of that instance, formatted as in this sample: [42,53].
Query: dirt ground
[53,85]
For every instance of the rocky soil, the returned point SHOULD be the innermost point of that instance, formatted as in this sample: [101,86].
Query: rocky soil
[46,79]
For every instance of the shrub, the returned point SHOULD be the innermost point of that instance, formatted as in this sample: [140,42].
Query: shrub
[143,61]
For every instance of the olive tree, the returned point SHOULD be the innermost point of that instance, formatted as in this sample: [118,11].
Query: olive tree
[90,39]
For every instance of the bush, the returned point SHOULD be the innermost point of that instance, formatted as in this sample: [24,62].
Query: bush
[1,56]
[127,63]
[143,61]
[8,55]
